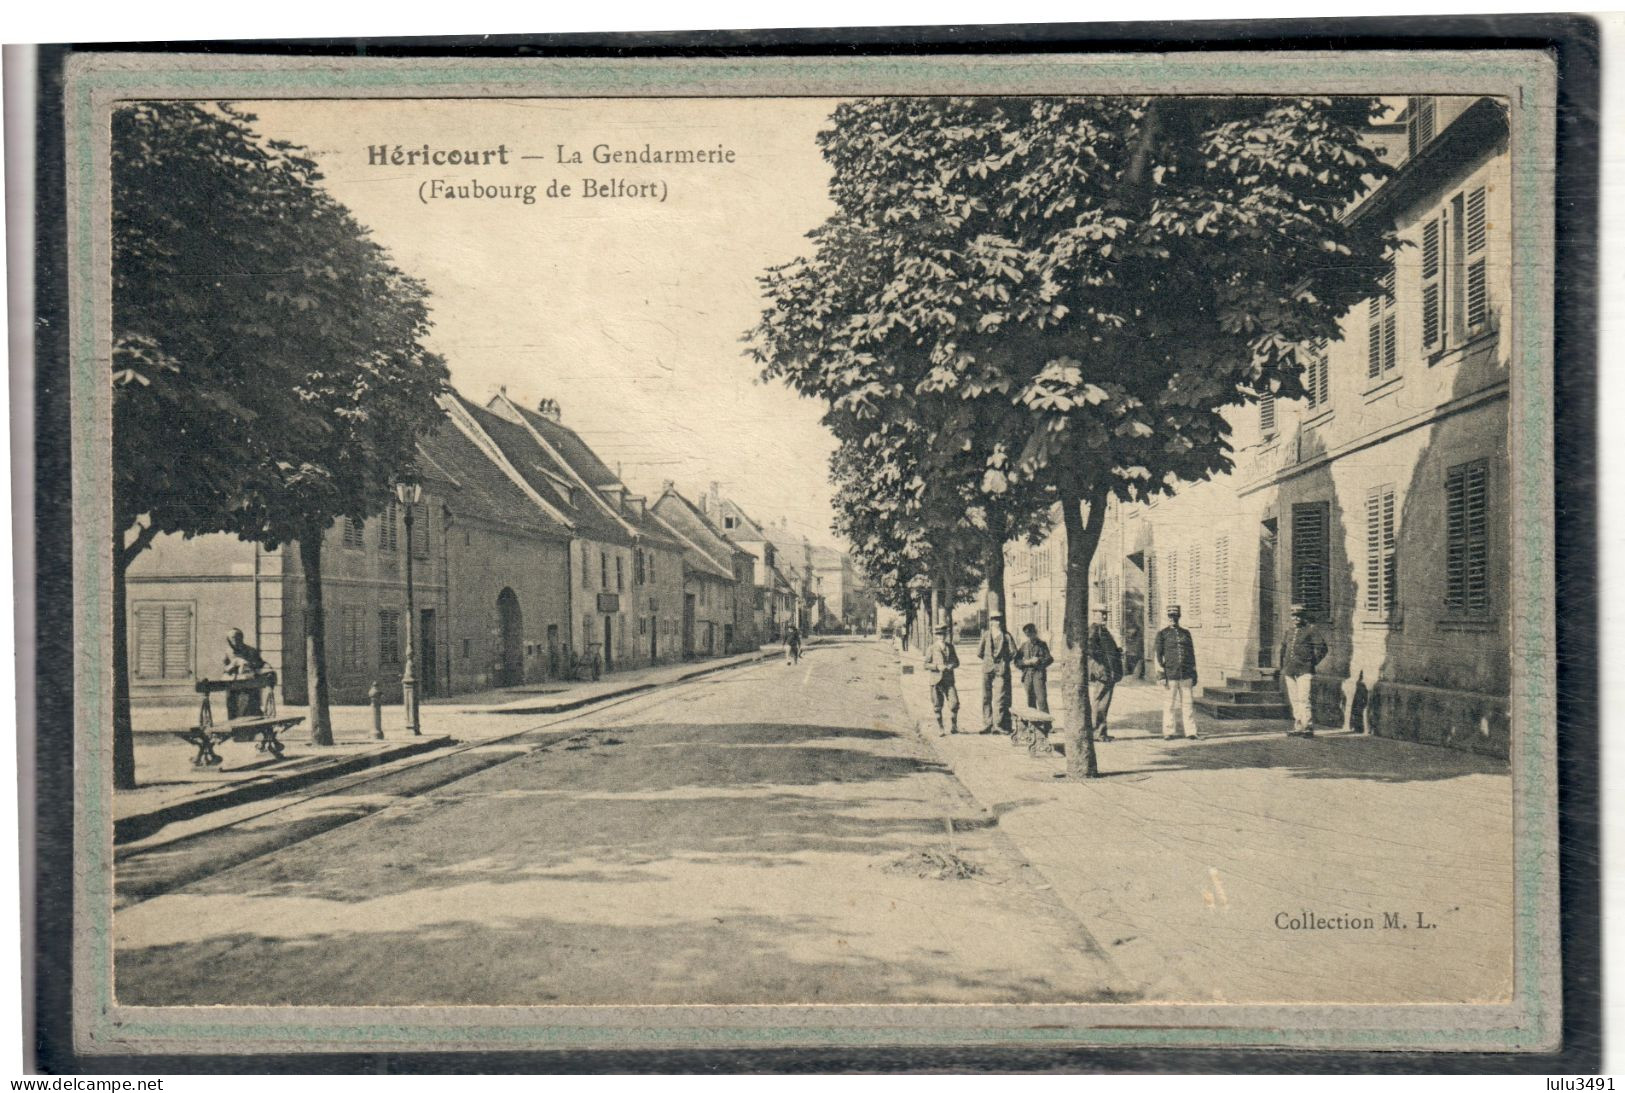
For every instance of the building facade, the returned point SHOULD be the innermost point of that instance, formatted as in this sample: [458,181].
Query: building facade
[737,619]
[1376,501]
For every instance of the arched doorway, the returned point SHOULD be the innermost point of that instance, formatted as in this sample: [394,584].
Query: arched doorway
[511,644]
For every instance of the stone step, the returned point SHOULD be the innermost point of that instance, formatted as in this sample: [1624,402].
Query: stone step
[1239,697]
[1264,682]
[1227,711]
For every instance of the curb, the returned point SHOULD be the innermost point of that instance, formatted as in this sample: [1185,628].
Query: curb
[636,688]
[139,825]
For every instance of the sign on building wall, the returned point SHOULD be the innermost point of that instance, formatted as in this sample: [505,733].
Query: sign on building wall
[609,603]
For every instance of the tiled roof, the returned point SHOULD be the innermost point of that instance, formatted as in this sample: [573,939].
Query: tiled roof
[473,485]
[686,518]
[544,475]
[693,557]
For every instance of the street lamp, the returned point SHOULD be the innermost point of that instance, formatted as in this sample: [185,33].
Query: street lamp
[409,494]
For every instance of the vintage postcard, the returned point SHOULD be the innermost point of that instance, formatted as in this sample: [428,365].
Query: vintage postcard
[1009,550]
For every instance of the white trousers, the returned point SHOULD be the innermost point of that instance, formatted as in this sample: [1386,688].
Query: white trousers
[1178,695]
[1297,695]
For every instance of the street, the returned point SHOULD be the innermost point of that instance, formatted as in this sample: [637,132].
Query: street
[774,834]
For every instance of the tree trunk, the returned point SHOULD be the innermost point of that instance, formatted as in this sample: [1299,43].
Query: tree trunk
[310,560]
[123,731]
[993,570]
[1082,537]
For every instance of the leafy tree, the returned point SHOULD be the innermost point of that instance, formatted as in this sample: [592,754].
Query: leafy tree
[1088,282]
[268,370]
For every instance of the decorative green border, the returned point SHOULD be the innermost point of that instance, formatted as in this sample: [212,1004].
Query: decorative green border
[94,82]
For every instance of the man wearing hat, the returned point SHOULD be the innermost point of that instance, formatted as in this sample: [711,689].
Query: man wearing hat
[1176,664]
[1105,669]
[998,652]
[940,662]
[1302,650]
[1033,658]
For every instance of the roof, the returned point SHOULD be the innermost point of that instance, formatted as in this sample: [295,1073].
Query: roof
[473,485]
[544,475]
[746,529]
[588,468]
[684,517]
[693,557]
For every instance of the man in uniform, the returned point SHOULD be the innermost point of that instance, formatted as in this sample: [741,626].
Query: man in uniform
[1033,658]
[940,662]
[1105,669]
[998,652]
[1302,650]
[1176,665]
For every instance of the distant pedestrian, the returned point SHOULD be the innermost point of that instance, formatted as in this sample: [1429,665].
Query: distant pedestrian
[792,644]
[1302,650]
[1033,659]
[940,661]
[998,652]
[1176,666]
[1105,670]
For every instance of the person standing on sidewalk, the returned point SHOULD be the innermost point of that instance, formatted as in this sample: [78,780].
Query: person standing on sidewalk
[1302,650]
[940,661]
[792,644]
[1033,658]
[1105,670]
[998,652]
[1176,665]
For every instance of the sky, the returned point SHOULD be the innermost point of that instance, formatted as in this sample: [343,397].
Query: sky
[627,310]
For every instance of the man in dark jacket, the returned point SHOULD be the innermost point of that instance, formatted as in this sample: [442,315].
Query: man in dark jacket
[1033,658]
[1105,669]
[940,661]
[1176,665]
[1302,650]
[998,652]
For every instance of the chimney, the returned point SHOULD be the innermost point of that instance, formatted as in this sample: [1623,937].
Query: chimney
[716,499]
[667,486]
[549,408]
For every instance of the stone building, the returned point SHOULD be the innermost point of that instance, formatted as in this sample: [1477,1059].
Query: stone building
[735,613]
[1377,501]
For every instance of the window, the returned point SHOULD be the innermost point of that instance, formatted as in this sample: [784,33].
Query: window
[389,636]
[1311,558]
[163,640]
[1221,580]
[729,522]
[603,570]
[1467,538]
[352,638]
[1266,414]
[1433,284]
[1153,589]
[1382,343]
[620,574]
[1421,118]
[1171,579]
[354,533]
[1381,554]
[637,567]
[389,528]
[468,648]
[1317,377]
[586,565]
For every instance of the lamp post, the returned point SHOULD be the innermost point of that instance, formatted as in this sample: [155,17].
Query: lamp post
[409,494]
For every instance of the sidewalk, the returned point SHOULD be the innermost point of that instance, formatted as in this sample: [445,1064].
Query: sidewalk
[171,788]
[1254,867]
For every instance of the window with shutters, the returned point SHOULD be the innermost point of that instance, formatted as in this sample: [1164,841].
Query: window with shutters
[420,531]
[1153,589]
[389,636]
[620,574]
[1221,581]
[1435,310]
[603,571]
[637,567]
[1382,341]
[1467,538]
[352,638]
[1421,120]
[1170,578]
[1381,554]
[1266,414]
[1311,558]
[163,640]
[389,528]
[1317,377]
[355,533]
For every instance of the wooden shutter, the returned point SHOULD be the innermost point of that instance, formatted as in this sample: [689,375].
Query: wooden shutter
[1433,263]
[1382,348]
[178,641]
[1221,579]
[353,532]
[162,633]
[149,641]
[1266,413]
[1310,558]
[1477,303]
[1467,537]
[1422,118]
[1153,588]
[1171,580]
[1195,583]
[420,531]
[1382,557]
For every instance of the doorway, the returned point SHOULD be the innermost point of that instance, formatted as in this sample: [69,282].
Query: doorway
[654,638]
[511,640]
[428,655]
[609,662]
[1268,544]
[688,624]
